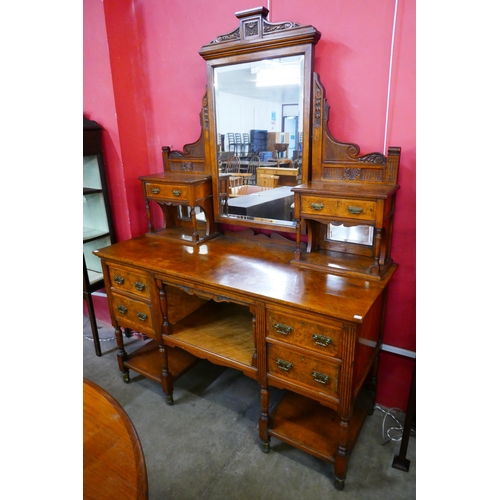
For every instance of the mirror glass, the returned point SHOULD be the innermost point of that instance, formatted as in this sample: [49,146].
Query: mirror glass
[259,122]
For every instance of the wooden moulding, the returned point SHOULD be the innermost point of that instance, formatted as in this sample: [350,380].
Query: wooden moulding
[255,34]
[333,160]
[193,157]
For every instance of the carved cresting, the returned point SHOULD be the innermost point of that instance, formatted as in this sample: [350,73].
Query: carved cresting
[338,161]
[253,24]
[255,28]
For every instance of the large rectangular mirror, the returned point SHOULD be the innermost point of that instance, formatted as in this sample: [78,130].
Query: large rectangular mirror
[259,124]
[259,91]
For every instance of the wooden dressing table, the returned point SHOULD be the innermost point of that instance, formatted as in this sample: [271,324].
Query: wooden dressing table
[305,316]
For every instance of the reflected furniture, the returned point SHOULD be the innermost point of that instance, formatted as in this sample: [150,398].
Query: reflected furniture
[298,308]
[98,227]
[286,176]
[113,460]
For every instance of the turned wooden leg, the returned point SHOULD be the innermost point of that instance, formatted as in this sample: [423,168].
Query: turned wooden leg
[195,236]
[122,355]
[264,420]
[167,383]
[340,467]
[375,269]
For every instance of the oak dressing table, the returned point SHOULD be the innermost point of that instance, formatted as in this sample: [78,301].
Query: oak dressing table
[304,316]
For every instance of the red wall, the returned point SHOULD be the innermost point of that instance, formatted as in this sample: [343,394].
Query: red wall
[144,81]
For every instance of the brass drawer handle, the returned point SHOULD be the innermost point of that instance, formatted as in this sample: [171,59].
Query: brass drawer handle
[119,280]
[284,365]
[322,340]
[142,316]
[176,192]
[139,286]
[155,190]
[354,210]
[122,309]
[317,206]
[283,329]
[320,377]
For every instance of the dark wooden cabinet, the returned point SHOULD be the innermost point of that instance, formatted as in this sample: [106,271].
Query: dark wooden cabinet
[98,228]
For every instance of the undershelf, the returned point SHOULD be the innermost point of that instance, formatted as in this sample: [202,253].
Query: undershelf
[306,424]
[183,235]
[147,361]
[342,264]
[219,332]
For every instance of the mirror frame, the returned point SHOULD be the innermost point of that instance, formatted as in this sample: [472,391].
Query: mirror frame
[255,39]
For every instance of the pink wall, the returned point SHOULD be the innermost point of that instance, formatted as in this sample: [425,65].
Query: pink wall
[144,81]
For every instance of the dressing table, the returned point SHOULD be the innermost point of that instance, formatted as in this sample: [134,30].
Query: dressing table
[302,309]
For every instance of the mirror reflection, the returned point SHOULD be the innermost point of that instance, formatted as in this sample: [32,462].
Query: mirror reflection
[259,116]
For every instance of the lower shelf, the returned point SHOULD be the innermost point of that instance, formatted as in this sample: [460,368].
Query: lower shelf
[343,264]
[314,428]
[147,361]
[183,234]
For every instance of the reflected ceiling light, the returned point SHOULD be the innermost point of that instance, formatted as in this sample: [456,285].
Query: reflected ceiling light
[277,76]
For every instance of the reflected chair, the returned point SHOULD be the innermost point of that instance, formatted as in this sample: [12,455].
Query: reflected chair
[233,165]
[231,145]
[247,145]
[235,183]
[238,143]
[253,164]
[269,181]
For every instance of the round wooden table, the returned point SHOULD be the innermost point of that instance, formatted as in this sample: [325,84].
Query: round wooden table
[113,460]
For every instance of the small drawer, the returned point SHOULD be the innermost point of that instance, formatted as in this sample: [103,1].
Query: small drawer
[304,333]
[288,365]
[171,192]
[336,207]
[133,314]
[130,281]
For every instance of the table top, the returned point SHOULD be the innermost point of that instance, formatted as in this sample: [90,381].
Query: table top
[113,460]
[232,265]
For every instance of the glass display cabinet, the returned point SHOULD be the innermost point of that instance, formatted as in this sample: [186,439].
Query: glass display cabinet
[98,229]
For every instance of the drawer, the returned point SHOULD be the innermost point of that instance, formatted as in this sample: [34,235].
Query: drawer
[337,207]
[173,192]
[129,280]
[307,371]
[304,333]
[133,314]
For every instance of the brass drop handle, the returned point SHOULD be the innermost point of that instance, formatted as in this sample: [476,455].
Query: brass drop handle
[176,192]
[317,206]
[155,190]
[142,316]
[354,210]
[320,377]
[321,340]
[283,329]
[119,280]
[122,309]
[139,286]
[284,365]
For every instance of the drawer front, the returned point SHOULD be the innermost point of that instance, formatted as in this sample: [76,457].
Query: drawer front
[336,207]
[133,314]
[129,280]
[173,192]
[304,370]
[304,333]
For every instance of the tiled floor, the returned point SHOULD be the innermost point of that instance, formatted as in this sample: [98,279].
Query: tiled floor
[206,445]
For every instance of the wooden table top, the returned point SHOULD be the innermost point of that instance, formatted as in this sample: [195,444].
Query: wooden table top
[113,460]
